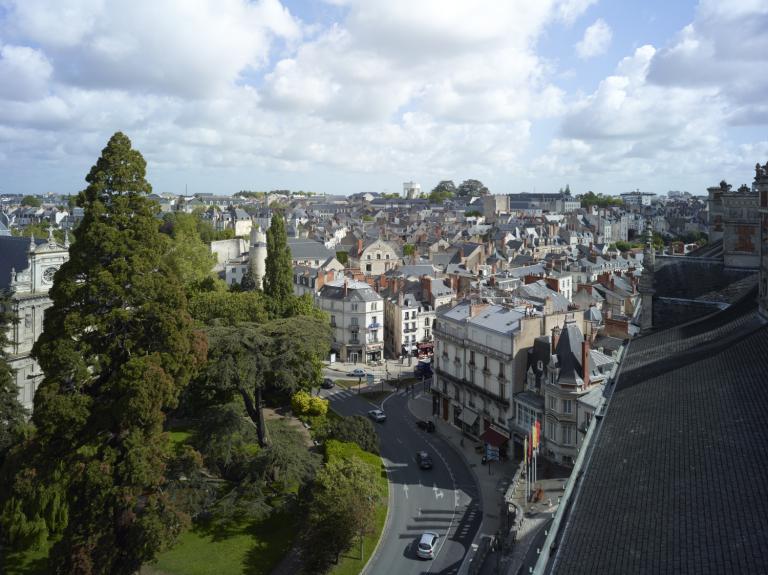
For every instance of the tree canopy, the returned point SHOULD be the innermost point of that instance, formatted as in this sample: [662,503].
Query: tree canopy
[278,273]
[470,188]
[117,347]
[12,413]
[31,201]
[445,190]
[591,199]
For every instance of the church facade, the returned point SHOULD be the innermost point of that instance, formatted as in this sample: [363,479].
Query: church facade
[27,268]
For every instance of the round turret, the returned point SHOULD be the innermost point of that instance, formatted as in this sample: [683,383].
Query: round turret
[257,255]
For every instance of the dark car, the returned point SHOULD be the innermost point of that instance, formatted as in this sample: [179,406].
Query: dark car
[424,460]
[426,425]
[327,383]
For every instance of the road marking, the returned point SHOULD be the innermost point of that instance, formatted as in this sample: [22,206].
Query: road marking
[405,488]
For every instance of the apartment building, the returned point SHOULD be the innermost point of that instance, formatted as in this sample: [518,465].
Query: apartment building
[357,319]
[408,324]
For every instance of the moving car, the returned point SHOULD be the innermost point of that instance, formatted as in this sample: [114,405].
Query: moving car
[377,415]
[424,459]
[426,425]
[327,383]
[357,372]
[427,544]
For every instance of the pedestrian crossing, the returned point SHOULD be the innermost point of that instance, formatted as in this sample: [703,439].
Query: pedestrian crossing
[342,393]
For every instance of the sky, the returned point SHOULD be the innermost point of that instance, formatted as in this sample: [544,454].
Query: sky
[347,96]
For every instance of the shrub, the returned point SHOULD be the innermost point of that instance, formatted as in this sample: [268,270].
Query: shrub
[300,402]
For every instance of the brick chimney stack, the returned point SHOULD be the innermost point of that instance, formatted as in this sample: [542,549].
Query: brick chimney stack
[585,361]
[346,287]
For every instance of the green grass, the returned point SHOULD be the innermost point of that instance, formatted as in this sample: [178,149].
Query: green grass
[179,437]
[348,383]
[376,396]
[246,549]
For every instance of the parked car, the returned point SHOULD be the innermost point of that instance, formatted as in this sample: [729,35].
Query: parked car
[426,425]
[427,545]
[424,459]
[377,415]
[327,383]
[357,372]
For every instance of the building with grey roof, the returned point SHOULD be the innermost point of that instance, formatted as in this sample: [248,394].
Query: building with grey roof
[357,319]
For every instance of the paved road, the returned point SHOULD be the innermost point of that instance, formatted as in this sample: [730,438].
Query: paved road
[444,500]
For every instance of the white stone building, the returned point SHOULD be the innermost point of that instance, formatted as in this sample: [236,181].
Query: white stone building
[27,268]
[357,319]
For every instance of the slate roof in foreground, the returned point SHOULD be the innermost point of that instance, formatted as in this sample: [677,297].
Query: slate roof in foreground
[677,481]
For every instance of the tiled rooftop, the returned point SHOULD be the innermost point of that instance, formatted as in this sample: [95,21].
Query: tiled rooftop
[677,480]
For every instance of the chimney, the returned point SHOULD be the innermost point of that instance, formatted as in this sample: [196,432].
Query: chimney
[585,361]
[346,287]
[359,247]
[476,308]
[555,338]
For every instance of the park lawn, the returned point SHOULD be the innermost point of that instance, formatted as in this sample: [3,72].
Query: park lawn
[179,437]
[351,563]
[250,548]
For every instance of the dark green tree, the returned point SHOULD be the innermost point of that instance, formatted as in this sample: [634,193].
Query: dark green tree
[246,359]
[187,255]
[445,190]
[278,285]
[12,413]
[117,348]
[472,188]
[31,201]
[343,257]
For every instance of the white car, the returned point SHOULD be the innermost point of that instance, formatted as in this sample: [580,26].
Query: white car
[357,372]
[427,544]
[377,415]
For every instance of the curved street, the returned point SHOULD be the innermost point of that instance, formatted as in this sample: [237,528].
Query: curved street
[444,499]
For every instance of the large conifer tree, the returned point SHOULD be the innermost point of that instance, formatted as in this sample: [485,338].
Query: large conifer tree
[12,413]
[278,285]
[117,348]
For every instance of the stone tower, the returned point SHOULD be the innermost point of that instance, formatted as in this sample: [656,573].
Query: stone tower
[761,187]
[646,282]
[257,255]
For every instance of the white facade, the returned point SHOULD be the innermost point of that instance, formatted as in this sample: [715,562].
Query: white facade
[357,319]
[411,190]
[29,300]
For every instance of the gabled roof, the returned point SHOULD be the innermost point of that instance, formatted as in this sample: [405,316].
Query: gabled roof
[568,353]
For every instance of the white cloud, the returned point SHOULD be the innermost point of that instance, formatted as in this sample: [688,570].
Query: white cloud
[570,10]
[595,41]
[24,73]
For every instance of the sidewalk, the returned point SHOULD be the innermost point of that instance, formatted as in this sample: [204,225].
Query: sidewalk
[492,486]
[393,367]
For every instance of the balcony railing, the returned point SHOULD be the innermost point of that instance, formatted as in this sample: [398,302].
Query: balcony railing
[476,388]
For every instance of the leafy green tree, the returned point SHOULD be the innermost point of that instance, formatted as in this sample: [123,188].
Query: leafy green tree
[353,429]
[12,413]
[117,347]
[409,250]
[342,509]
[188,256]
[470,188]
[31,201]
[248,282]
[343,258]
[445,190]
[228,307]
[278,273]
[280,356]
[39,230]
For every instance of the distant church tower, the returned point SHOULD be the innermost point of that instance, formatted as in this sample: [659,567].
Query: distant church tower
[257,255]
[761,187]
[646,282]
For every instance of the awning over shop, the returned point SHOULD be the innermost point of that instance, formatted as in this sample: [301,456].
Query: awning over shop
[493,437]
[468,416]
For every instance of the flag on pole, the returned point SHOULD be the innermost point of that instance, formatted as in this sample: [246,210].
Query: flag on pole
[525,451]
[537,427]
[530,449]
